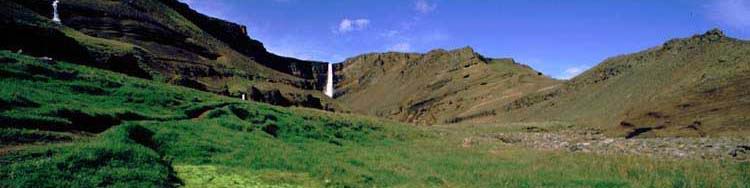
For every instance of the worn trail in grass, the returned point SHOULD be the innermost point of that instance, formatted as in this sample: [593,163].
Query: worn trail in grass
[123,131]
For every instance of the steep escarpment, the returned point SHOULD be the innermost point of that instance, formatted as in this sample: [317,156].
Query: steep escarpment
[237,38]
[697,86]
[437,87]
[162,40]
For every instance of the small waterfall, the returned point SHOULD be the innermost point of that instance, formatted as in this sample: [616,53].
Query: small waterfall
[56,16]
[329,81]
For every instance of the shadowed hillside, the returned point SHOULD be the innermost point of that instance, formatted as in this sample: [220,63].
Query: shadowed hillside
[697,86]
[437,87]
[166,41]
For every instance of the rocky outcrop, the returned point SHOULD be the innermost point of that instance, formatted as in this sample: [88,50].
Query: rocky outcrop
[279,98]
[187,82]
[273,96]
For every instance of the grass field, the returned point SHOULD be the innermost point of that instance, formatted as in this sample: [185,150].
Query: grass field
[66,125]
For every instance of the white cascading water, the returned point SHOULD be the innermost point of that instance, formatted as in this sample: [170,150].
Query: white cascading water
[55,15]
[329,81]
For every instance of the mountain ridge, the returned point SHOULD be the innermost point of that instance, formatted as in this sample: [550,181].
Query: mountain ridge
[690,86]
[427,84]
[164,40]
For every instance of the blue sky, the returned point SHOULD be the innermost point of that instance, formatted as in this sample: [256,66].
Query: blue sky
[558,38]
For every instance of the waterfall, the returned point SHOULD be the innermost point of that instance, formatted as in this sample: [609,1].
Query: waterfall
[56,16]
[329,81]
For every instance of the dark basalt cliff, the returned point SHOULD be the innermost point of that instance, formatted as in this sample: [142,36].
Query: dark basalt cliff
[237,38]
[160,39]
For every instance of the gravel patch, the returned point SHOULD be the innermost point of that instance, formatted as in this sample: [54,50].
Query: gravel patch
[593,141]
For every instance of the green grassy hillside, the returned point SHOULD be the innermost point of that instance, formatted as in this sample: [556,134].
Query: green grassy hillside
[437,87]
[101,128]
[696,86]
[67,125]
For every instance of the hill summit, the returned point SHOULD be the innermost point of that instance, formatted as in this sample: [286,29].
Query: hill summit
[692,86]
[440,86]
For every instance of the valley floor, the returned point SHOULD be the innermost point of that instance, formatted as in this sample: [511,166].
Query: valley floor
[459,156]
[202,156]
[559,136]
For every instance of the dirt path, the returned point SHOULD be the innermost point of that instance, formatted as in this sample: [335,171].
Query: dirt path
[9,149]
[4,150]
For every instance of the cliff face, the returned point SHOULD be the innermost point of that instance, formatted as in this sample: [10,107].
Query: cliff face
[237,38]
[164,40]
[438,87]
